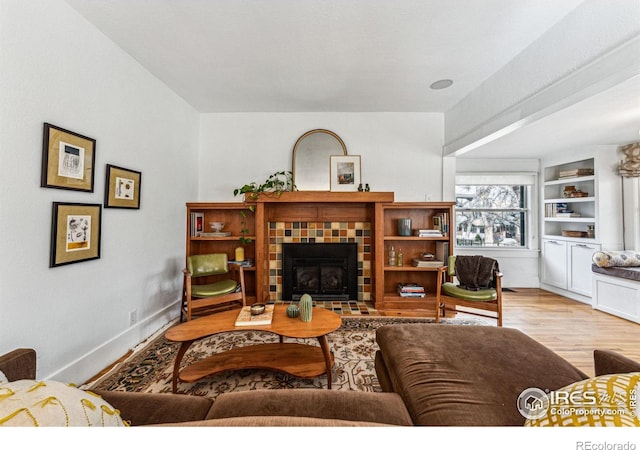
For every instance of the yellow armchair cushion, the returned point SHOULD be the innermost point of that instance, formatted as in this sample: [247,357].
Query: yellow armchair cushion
[213,289]
[483,295]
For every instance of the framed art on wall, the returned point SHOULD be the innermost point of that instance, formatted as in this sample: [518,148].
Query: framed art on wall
[122,188]
[75,233]
[68,159]
[345,173]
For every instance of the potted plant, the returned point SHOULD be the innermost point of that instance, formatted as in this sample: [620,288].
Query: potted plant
[275,184]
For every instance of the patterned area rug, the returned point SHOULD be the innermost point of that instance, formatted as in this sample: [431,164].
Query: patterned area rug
[353,345]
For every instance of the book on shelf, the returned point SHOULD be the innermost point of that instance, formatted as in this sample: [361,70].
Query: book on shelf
[197,224]
[246,263]
[410,290]
[417,262]
[412,294]
[428,233]
[567,214]
[555,209]
[442,251]
[441,223]
[245,318]
[575,173]
[216,234]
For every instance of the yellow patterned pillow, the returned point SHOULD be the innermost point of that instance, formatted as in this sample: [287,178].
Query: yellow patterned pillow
[53,404]
[607,400]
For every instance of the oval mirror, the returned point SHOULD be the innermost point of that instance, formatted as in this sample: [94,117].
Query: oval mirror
[311,159]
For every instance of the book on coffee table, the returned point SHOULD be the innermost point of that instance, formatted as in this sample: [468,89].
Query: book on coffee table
[245,318]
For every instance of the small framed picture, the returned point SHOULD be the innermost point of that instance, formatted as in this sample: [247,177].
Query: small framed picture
[345,173]
[68,159]
[75,233]
[437,223]
[122,188]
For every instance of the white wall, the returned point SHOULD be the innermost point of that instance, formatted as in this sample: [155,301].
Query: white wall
[57,68]
[401,152]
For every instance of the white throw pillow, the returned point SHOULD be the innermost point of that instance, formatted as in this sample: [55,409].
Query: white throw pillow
[3,377]
[54,404]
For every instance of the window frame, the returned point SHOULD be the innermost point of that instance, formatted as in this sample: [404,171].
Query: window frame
[527,210]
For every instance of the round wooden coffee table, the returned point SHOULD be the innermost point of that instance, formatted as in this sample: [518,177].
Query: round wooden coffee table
[299,360]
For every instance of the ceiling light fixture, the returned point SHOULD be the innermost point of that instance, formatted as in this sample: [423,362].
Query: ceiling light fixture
[441,84]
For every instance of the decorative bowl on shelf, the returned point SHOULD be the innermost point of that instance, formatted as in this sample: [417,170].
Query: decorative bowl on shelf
[217,226]
[257,308]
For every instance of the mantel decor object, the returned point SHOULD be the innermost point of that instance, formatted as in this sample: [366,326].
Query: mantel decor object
[311,154]
[345,173]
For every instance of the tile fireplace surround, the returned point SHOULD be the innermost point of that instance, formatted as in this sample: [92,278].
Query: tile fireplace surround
[320,232]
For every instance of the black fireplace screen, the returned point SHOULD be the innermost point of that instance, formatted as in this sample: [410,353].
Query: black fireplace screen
[324,271]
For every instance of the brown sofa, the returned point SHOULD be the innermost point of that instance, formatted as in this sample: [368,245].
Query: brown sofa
[431,374]
[302,407]
[456,375]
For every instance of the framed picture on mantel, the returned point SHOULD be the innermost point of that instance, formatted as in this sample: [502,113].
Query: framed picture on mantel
[345,173]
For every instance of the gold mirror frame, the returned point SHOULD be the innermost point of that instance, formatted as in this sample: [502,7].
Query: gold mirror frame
[311,159]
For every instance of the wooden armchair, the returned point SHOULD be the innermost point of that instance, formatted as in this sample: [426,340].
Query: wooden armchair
[485,302]
[211,285]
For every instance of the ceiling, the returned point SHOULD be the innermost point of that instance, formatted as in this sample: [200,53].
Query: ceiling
[327,55]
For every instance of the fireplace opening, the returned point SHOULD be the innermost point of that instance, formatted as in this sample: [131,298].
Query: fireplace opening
[326,271]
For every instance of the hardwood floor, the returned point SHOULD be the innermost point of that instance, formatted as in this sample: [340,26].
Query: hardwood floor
[569,328]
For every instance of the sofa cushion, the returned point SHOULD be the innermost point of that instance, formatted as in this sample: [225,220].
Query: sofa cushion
[629,273]
[609,362]
[147,409]
[53,404]
[275,421]
[464,375]
[607,400]
[623,258]
[387,408]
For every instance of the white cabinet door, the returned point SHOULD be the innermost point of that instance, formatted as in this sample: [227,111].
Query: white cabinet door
[554,263]
[580,274]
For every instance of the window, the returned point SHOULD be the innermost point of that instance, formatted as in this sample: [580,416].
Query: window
[492,214]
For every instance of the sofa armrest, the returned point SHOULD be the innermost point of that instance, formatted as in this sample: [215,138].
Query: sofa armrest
[19,364]
[608,362]
[357,406]
[140,408]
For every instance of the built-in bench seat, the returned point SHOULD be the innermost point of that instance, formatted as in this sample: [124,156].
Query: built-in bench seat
[616,283]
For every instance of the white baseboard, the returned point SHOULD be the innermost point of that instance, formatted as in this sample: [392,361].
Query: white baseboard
[97,359]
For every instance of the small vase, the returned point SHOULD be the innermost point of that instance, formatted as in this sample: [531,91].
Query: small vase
[404,227]
[306,307]
[293,311]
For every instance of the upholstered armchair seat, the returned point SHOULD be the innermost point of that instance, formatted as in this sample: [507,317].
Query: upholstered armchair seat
[213,289]
[482,295]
